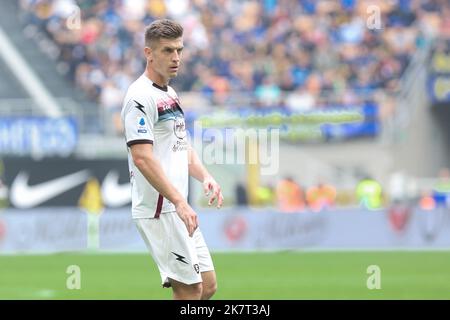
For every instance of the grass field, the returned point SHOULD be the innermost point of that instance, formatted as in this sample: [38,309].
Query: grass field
[281,275]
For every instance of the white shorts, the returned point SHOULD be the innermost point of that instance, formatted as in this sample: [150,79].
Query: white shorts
[177,255]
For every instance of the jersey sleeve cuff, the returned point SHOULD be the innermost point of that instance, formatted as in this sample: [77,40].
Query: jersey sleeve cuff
[140,141]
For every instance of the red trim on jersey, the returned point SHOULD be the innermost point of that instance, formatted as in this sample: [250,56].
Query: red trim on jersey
[159,206]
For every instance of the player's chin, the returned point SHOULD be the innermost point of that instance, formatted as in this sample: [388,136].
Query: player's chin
[173,72]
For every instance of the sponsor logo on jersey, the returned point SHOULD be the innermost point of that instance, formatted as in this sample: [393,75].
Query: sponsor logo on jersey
[180,145]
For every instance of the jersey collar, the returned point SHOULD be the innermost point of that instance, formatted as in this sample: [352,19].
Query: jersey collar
[164,88]
[159,87]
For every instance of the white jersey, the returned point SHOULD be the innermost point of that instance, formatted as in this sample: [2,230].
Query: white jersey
[152,114]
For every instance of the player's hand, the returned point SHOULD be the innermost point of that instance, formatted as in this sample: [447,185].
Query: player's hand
[212,188]
[188,216]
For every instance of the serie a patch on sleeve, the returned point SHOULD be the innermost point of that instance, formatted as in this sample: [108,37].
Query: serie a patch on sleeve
[142,125]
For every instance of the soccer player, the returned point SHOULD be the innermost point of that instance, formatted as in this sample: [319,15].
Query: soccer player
[160,160]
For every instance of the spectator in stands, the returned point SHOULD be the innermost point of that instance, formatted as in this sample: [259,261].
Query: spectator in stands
[319,53]
[369,193]
[290,196]
[265,195]
[268,93]
[441,190]
[397,188]
[241,195]
[321,197]
[427,201]
[300,100]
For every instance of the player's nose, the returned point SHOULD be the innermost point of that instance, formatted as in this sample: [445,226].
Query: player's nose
[176,57]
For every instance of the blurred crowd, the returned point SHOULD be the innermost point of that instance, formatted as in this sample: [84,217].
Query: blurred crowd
[289,196]
[295,54]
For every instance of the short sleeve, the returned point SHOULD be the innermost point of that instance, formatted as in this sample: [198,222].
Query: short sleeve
[139,119]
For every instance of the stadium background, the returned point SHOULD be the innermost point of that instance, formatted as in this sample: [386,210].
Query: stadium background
[362,108]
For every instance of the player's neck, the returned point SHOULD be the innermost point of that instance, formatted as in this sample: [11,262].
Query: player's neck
[156,78]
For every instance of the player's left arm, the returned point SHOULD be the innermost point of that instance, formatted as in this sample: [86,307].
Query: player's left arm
[199,172]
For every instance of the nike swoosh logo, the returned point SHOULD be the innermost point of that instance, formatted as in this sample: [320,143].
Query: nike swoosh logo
[140,107]
[113,193]
[24,196]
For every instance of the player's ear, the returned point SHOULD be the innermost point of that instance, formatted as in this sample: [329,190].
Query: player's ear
[148,53]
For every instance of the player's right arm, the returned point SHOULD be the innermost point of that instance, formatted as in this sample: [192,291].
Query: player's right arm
[139,116]
[150,167]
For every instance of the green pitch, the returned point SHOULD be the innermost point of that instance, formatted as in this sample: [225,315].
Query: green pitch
[281,275]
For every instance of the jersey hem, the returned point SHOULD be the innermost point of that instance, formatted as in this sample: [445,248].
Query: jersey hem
[150,215]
